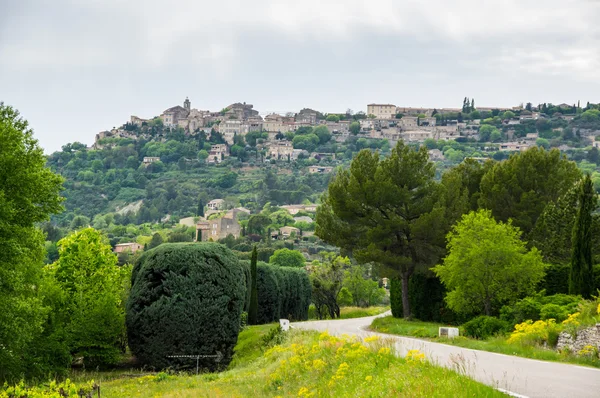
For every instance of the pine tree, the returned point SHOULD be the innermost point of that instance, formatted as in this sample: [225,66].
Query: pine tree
[581,277]
[253,310]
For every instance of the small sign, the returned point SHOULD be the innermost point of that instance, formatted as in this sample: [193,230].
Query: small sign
[285,324]
[448,332]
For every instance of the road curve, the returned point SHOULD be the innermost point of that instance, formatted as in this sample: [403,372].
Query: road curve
[515,375]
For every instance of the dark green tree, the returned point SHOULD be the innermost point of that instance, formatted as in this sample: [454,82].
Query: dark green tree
[200,210]
[521,187]
[581,277]
[253,310]
[386,211]
[156,240]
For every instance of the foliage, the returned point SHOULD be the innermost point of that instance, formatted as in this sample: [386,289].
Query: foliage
[521,187]
[487,265]
[326,279]
[54,390]
[581,277]
[396,297]
[485,326]
[253,311]
[542,307]
[287,258]
[186,299]
[364,292]
[29,194]
[386,211]
[90,308]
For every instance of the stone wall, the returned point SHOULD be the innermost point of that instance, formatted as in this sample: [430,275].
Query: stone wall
[585,337]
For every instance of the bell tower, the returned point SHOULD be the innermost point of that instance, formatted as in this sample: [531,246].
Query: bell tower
[187,104]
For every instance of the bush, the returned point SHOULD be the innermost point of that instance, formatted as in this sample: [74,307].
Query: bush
[553,311]
[186,299]
[535,333]
[484,326]
[396,297]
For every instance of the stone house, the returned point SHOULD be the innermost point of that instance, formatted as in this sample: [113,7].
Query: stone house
[150,159]
[281,150]
[288,232]
[436,155]
[408,122]
[307,116]
[319,169]
[130,247]
[241,111]
[382,111]
[219,228]
[217,153]
[216,204]
[173,115]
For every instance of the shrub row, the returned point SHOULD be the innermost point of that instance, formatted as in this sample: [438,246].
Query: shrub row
[283,292]
[556,280]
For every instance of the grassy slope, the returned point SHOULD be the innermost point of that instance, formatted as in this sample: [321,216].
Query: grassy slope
[305,364]
[429,330]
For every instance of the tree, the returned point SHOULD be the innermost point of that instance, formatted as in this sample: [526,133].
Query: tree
[521,187]
[287,258]
[593,155]
[581,276]
[156,241]
[332,118]
[485,132]
[487,265]
[364,291]
[200,209]
[326,279]
[354,128]
[386,211]
[258,223]
[508,115]
[92,313]
[29,194]
[253,310]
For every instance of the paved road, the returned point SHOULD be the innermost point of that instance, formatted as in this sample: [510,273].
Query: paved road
[519,376]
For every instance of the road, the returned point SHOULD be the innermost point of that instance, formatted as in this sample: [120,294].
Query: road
[517,376]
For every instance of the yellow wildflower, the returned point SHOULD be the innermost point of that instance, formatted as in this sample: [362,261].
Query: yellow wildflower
[371,339]
[324,335]
[415,355]
[383,351]
[598,310]
[369,378]
[318,364]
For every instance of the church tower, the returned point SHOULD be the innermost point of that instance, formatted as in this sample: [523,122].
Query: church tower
[187,104]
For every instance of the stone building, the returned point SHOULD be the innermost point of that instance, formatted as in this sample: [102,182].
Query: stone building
[307,116]
[172,116]
[219,228]
[218,153]
[382,111]
[240,111]
[131,247]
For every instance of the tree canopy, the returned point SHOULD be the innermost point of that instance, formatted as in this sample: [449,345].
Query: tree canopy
[386,211]
[521,187]
[487,265]
[29,194]
[287,258]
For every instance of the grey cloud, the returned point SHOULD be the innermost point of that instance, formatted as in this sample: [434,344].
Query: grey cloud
[74,68]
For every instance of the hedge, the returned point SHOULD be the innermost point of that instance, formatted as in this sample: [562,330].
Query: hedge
[186,299]
[283,292]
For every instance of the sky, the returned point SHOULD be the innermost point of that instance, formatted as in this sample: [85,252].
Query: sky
[74,68]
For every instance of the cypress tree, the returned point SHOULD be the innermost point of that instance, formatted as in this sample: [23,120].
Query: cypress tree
[200,211]
[396,297]
[253,310]
[581,277]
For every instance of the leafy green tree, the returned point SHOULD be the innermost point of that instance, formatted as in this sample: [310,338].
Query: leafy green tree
[485,132]
[487,265]
[466,177]
[521,187]
[258,223]
[323,133]
[287,258]
[386,211]
[332,118]
[253,310]
[29,194]
[581,277]
[327,279]
[156,240]
[508,115]
[93,285]
[354,128]
[364,291]
[496,136]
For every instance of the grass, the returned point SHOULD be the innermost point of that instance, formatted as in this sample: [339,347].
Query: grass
[306,364]
[429,331]
[351,312]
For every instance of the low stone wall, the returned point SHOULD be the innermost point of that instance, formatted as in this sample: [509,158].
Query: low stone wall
[585,337]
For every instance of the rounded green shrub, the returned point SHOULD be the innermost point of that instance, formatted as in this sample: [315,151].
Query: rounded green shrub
[553,311]
[484,326]
[268,293]
[186,299]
